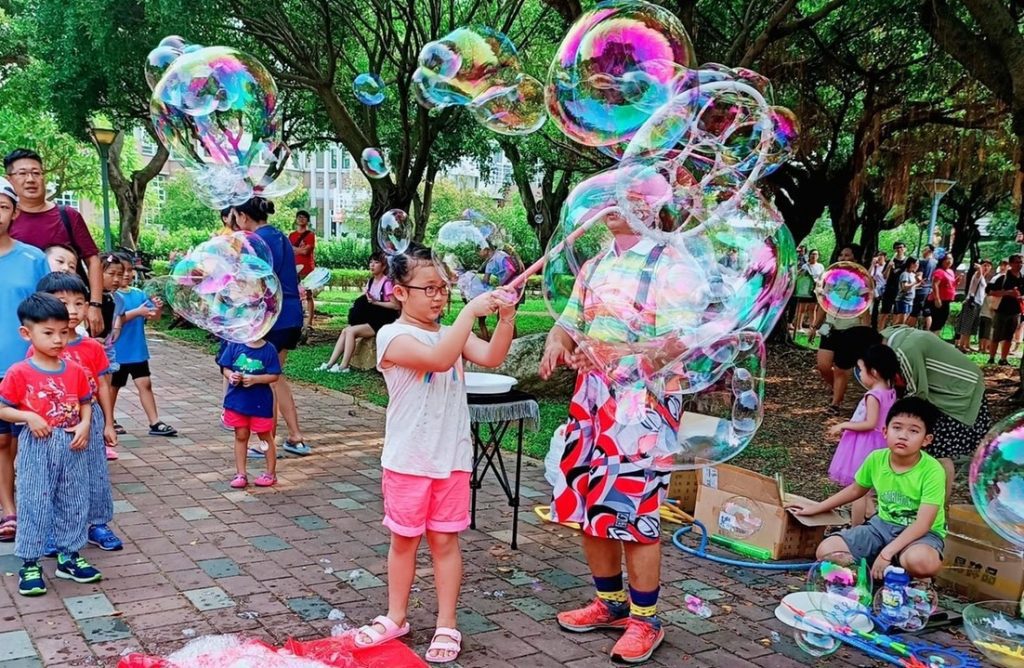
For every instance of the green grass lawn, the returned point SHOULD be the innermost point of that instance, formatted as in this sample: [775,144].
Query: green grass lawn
[761,455]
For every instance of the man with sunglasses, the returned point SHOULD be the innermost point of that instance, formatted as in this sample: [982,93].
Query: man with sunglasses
[42,223]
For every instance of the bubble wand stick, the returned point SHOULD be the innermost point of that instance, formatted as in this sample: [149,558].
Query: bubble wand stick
[519,280]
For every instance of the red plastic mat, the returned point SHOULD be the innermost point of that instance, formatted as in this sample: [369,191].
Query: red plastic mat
[338,652]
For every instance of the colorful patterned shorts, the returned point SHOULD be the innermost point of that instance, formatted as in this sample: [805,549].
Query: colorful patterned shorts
[611,494]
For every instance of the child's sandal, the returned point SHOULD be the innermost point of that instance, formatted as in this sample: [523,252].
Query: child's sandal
[8,528]
[240,481]
[391,631]
[440,648]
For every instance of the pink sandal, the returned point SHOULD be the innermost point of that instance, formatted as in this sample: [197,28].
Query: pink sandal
[8,528]
[239,482]
[391,631]
[440,647]
[265,480]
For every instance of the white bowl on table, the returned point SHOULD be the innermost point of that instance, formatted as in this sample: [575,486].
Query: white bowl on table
[488,383]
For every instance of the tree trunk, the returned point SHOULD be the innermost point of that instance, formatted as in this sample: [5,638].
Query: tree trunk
[130,192]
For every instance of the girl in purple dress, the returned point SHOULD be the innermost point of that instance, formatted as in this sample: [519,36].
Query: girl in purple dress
[865,433]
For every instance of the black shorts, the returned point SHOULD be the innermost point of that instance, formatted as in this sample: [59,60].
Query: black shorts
[889,299]
[286,338]
[922,307]
[134,369]
[849,345]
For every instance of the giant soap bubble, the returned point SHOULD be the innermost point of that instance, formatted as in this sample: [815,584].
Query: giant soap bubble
[617,65]
[227,287]
[463,64]
[216,109]
[479,68]
[472,252]
[997,478]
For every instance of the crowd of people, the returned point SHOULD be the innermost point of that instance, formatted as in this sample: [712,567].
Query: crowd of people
[68,343]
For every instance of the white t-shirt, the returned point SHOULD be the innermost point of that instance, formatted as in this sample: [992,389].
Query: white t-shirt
[426,431]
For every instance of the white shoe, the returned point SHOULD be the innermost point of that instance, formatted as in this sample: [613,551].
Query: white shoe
[338,369]
[323,367]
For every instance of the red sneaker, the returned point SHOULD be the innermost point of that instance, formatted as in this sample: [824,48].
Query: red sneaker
[596,615]
[638,643]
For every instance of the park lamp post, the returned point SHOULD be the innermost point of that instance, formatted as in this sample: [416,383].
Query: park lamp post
[103,137]
[936,188]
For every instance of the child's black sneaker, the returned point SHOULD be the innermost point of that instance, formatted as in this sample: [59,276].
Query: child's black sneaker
[30,580]
[75,567]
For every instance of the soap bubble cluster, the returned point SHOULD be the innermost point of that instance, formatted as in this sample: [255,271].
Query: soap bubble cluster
[669,269]
[473,254]
[216,109]
[226,286]
[479,68]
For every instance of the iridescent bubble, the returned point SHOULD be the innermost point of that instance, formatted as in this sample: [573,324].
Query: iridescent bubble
[158,288]
[216,109]
[617,65]
[369,89]
[846,290]
[740,518]
[395,231]
[173,42]
[460,66]
[471,253]
[719,421]
[157,62]
[511,110]
[373,164]
[842,574]
[997,478]
[222,287]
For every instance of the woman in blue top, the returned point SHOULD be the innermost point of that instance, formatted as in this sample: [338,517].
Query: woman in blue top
[252,217]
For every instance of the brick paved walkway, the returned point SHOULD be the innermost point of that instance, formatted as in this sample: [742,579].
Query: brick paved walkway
[201,558]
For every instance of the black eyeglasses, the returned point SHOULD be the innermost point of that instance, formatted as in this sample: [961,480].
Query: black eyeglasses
[430,290]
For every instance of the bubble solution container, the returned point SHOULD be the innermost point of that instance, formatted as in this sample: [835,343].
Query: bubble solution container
[893,609]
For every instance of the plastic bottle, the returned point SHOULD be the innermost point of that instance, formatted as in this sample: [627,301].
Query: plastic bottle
[891,604]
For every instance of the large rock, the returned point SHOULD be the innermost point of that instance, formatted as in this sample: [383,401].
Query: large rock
[364,357]
[523,361]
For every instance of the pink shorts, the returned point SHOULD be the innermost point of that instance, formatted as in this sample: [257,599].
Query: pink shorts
[257,425]
[416,504]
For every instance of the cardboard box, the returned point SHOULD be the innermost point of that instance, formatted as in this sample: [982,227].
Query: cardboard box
[978,564]
[683,488]
[749,507]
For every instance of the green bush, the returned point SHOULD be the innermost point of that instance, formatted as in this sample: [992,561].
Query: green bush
[345,253]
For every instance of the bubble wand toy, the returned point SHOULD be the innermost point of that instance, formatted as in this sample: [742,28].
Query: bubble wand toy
[875,645]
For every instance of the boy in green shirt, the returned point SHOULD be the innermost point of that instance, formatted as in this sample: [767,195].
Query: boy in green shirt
[910,526]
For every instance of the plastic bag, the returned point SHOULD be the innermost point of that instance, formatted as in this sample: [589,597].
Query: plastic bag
[553,461]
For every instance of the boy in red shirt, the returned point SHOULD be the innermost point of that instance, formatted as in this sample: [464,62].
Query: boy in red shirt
[89,354]
[52,397]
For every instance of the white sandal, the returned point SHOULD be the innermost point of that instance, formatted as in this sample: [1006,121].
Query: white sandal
[391,631]
[443,646]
